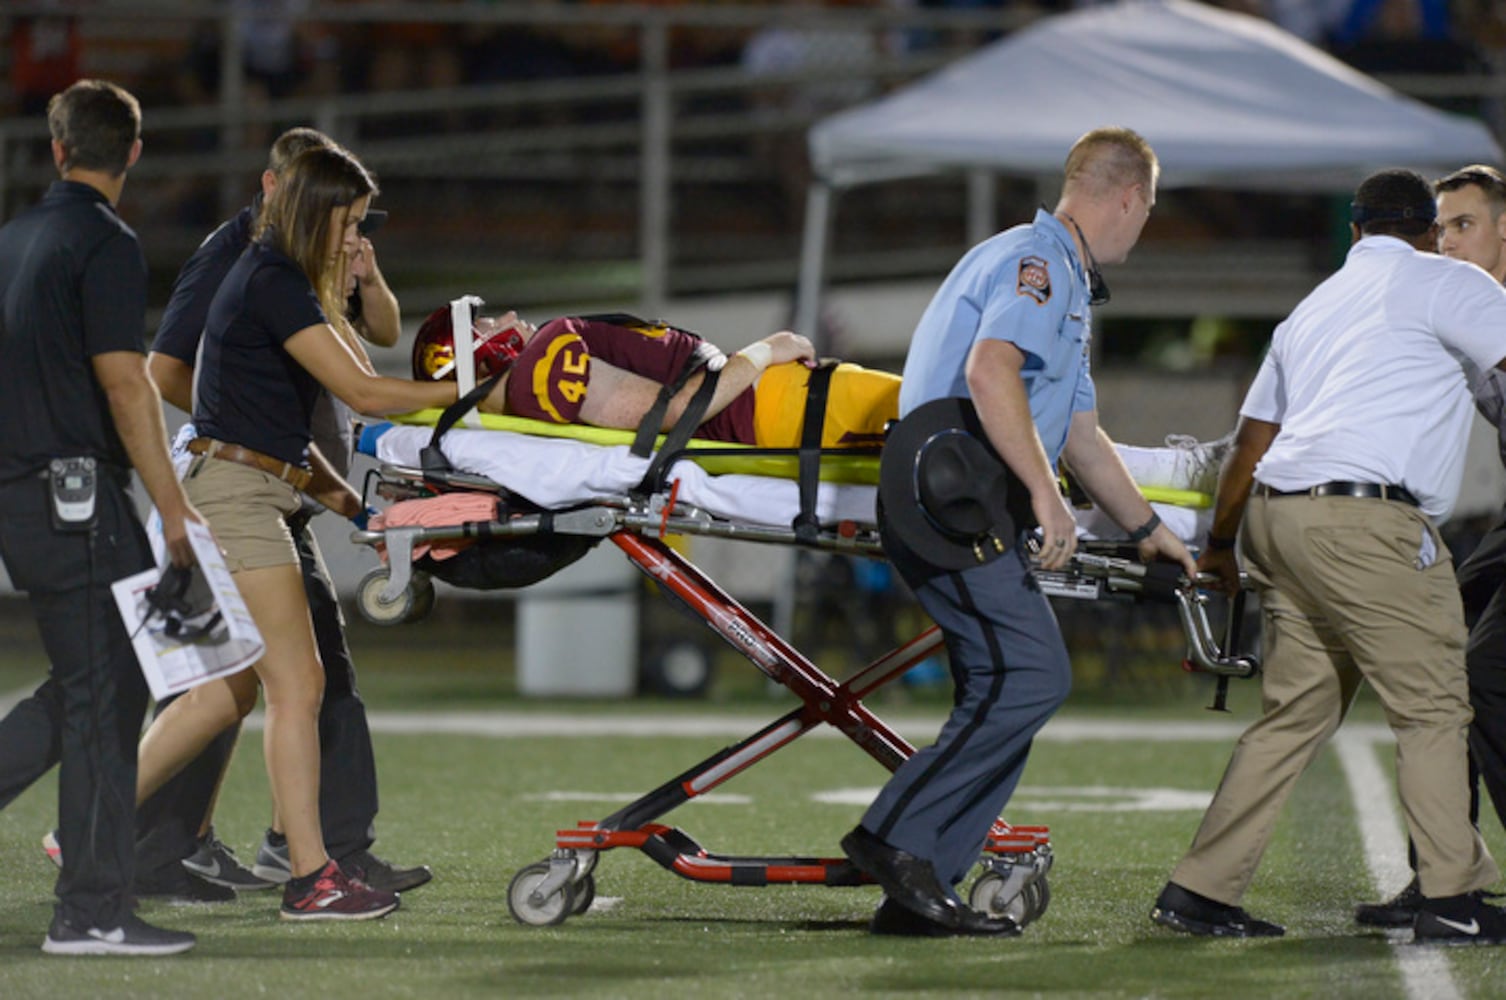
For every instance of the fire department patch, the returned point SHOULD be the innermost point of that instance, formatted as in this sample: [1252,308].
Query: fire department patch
[1034,280]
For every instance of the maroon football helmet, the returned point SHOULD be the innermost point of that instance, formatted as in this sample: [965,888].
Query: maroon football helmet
[434,349]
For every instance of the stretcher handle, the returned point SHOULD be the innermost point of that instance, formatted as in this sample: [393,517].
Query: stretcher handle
[1203,649]
[1166,581]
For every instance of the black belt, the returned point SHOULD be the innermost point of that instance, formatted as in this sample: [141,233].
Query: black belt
[1375,491]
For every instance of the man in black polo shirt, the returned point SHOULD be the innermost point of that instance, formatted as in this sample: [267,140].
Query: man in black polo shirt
[76,405]
[173,829]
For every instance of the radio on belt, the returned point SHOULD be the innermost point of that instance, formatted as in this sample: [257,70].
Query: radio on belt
[72,482]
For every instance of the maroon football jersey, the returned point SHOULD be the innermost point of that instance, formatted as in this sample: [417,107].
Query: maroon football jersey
[551,377]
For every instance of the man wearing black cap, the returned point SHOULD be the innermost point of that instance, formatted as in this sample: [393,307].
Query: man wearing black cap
[1350,448]
[999,363]
[174,829]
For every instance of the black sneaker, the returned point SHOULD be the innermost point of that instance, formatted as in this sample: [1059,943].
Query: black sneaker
[180,888]
[382,876]
[215,862]
[1398,911]
[1186,911]
[134,936]
[1463,919]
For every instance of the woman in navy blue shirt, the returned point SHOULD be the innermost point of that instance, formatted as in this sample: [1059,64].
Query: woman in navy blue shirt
[275,337]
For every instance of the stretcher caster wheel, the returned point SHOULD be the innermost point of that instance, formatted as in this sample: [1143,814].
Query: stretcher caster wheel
[1042,896]
[413,604]
[1027,905]
[585,895]
[423,598]
[527,907]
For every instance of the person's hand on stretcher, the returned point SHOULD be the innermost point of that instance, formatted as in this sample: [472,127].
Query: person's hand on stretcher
[1164,546]
[1223,567]
[1098,469]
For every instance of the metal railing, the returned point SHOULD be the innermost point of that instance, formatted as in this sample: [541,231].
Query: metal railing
[640,149]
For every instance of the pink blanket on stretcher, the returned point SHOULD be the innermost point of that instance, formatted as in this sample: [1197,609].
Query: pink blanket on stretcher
[442,511]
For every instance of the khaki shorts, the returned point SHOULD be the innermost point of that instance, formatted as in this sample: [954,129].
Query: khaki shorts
[247,510]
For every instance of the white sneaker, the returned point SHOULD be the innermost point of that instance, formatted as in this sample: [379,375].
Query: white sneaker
[51,848]
[272,862]
[1196,463]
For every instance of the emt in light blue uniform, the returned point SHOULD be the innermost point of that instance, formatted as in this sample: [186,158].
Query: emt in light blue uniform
[1010,329]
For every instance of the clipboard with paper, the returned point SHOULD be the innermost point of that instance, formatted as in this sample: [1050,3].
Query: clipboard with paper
[198,630]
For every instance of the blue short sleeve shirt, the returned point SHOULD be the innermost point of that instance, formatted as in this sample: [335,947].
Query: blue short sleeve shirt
[1024,286]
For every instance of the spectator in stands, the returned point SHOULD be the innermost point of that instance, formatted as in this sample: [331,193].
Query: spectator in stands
[44,58]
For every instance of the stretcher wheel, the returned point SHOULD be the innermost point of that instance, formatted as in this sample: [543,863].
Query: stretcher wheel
[546,912]
[423,598]
[1026,906]
[585,895]
[415,602]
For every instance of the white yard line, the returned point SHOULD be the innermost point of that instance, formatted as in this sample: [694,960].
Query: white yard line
[1425,971]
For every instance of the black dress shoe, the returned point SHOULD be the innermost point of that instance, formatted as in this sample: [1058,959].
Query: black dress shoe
[976,923]
[893,919]
[1186,911]
[900,921]
[1398,911]
[906,879]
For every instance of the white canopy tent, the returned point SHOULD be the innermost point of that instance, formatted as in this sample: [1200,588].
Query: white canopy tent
[1227,100]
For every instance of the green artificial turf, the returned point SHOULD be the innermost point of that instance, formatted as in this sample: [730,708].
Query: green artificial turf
[479,807]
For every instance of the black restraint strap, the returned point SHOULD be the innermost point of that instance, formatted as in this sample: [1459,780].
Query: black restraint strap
[653,420]
[431,458]
[680,433]
[807,526]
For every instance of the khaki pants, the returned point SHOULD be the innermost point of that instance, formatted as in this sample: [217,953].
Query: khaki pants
[1344,600]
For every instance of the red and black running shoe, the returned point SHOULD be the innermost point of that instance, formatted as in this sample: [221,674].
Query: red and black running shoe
[330,894]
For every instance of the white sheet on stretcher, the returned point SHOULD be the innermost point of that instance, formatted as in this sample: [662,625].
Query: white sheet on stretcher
[556,473]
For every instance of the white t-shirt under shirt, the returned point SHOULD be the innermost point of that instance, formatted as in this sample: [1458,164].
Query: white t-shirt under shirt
[1370,376]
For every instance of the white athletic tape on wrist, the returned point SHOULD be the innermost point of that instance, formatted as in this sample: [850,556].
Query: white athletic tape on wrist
[759,355]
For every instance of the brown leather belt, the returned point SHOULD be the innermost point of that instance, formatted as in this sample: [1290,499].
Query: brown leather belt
[1380,491]
[295,476]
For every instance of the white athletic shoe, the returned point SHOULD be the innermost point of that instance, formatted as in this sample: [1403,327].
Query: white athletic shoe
[51,848]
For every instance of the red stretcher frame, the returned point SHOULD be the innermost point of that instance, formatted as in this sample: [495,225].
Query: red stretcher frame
[1015,859]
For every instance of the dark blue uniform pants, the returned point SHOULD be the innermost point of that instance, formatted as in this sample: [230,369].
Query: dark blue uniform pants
[1011,673]
[88,713]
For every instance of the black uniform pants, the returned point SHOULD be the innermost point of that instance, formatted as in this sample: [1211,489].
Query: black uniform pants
[1482,582]
[168,824]
[87,715]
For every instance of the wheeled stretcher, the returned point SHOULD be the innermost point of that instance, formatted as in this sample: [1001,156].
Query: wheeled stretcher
[578,486]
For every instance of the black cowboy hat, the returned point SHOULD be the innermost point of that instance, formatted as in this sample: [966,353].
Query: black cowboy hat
[946,498]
